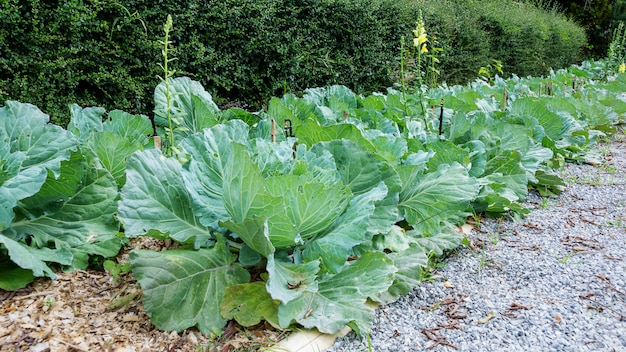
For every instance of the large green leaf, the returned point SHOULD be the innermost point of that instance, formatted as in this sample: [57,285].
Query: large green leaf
[272,158]
[506,168]
[313,133]
[340,299]
[533,158]
[437,243]
[428,199]
[249,303]
[359,169]
[155,197]
[113,140]
[213,164]
[14,277]
[113,150]
[184,288]
[332,102]
[254,232]
[320,165]
[350,229]
[85,122]
[389,146]
[288,280]
[28,258]
[243,186]
[191,106]
[29,148]
[496,199]
[311,207]
[446,152]
[134,128]
[363,171]
[76,212]
[555,125]
[411,264]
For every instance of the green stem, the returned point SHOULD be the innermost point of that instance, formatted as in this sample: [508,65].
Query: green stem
[402,75]
[419,78]
[167,74]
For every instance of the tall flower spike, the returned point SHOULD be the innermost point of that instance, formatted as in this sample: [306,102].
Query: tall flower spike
[420,35]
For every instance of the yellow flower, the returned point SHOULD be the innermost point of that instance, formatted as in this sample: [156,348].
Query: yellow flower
[424,49]
[417,42]
[420,34]
[422,38]
[622,68]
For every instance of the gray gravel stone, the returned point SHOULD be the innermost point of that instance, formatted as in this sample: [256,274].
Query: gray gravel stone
[553,281]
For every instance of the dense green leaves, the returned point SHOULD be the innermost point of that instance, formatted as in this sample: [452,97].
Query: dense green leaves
[353,209]
[57,202]
[184,288]
[30,147]
[428,199]
[341,299]
[191,108]
[155,197]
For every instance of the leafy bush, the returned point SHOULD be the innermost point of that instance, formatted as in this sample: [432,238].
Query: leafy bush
[105,53]
[527,39]
[599,18]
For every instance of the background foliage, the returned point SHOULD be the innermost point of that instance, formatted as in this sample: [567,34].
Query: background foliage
[599,18]
[105,52]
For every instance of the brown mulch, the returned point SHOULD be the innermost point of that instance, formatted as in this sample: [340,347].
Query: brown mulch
[72,314]
[95,311]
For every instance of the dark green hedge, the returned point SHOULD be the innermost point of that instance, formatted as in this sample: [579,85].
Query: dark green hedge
[105,52]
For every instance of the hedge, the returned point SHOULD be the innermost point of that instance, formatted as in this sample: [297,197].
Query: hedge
[106,53]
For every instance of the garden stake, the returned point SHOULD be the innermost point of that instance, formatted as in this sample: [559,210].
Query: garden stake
[273,131]
[540,88]
[157,142]
[549,88]
[345,115]
[505,97]
[288,129]
[441,119]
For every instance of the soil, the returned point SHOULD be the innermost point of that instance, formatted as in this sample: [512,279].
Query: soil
[97,311]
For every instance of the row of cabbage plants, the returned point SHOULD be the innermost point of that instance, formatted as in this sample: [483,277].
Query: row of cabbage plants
[347,201]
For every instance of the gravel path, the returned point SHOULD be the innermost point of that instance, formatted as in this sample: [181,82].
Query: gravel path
[553,281]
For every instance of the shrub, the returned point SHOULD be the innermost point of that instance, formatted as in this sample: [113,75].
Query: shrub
[105,52]
[527,39]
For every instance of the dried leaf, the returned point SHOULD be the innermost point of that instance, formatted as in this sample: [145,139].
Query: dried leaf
[587,295]
[486,319]
[122,301]
[517,306]
[130,318]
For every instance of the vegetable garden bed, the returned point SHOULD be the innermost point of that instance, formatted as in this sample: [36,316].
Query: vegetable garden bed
[352,204]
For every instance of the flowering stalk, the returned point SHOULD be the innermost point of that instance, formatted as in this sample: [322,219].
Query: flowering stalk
[433,72]
[167,74]
[420,43]
[403,74]
[617,49]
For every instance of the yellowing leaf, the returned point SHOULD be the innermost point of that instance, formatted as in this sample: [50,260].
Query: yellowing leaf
[486,319]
